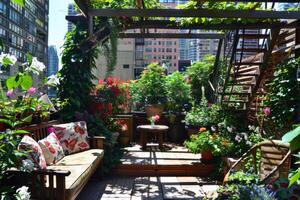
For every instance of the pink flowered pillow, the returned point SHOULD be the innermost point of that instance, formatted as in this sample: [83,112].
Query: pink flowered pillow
[52,149]
[35,153]
[72,136]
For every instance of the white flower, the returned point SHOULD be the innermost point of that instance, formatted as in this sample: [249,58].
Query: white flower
[53,80]
[213,128]
[23,193]
[27,165]
[251,127]
[229,129]
[9,57]
[36,66]
[249,143]
[238,138]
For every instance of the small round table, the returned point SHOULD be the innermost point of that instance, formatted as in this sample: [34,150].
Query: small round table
[158,130]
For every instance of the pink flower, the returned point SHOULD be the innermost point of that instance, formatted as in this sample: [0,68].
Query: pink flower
[156,118]
[31,90]
[10,93]
[267,111]
[110,80]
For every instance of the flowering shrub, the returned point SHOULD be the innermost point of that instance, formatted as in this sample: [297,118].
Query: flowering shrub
[113,91]
[207,141]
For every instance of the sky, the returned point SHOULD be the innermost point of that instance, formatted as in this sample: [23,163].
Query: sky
[57,22]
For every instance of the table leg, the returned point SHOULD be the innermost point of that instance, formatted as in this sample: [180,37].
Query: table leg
[143,139]
[161,140]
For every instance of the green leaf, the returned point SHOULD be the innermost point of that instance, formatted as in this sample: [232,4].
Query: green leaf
[19,2]
[11,83]
[291,135]
[294,178]
[21,132]
[26,82]
[29,58]
[6,62]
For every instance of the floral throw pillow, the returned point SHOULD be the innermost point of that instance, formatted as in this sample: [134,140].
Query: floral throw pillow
[72,136]
[35,153]
[52,149]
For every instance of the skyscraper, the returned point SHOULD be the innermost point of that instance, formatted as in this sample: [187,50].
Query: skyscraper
[52,60]
[53,63]
[71,11]
[24,30]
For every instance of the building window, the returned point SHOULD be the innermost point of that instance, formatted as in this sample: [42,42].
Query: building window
[169,43]
[126,66]
[148,50]
[169,50]
[2,8]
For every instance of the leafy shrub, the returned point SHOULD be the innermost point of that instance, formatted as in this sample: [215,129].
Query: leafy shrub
[178,92]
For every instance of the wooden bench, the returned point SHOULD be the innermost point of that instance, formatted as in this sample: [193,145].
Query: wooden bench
[62,180]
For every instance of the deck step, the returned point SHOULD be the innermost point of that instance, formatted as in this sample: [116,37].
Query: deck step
[243,74]
[249,69]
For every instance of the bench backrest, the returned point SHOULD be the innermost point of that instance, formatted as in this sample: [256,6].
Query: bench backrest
[40,131]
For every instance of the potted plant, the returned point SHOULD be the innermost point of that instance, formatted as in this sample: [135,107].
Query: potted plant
[203,115]
[198,74]
[178,94]
[152,87]
[209,144]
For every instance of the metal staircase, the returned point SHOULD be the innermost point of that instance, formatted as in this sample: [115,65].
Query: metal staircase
[250,54]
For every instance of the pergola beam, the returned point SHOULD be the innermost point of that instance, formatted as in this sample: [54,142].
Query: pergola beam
[210,13]
[173,35]
[164,24]
[83,6]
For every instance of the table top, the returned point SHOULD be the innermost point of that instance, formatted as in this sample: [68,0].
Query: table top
[153,127]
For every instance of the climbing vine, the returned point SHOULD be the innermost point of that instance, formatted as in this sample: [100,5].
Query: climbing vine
[283,96]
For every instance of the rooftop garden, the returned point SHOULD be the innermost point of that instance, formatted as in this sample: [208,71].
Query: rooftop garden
[186,102]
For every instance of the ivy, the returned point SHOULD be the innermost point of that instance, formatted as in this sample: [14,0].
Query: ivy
[283,96]
[76,73]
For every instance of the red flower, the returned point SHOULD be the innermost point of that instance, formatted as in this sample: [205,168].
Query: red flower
[284,185]
[116,91]
[100,82]
[109,108]
[110,80]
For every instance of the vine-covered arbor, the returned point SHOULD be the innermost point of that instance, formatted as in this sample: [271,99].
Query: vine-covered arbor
[245,76]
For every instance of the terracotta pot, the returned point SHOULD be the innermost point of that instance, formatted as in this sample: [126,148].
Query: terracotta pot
[154,109]
[207,156]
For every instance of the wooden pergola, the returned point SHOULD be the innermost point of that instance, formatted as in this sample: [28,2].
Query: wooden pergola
[88,13]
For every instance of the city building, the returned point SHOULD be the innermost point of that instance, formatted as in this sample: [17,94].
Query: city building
[71,11]
[124,69]
[24,30]
[53,65]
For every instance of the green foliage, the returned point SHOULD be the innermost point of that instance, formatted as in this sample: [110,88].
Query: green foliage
[293,137]
[136,95]
[203,114]
[207,141]
[76,74]
[199,75]
[283,97]
[152,84]
[19,2]
[178,92]
[194,4]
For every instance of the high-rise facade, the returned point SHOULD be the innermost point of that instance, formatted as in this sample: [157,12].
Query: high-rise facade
[53,65]
[53,61]
[24,30]
[71,12]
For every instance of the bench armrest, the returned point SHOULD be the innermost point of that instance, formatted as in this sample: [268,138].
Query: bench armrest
[97,142]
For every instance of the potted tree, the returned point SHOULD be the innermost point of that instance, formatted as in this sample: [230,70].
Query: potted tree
[178,94]
[152,87]
[209,144]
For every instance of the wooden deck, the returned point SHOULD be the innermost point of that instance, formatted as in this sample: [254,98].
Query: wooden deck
[144,188]
[173,173]
[172,161]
